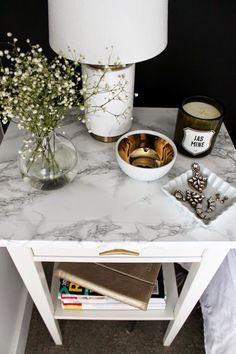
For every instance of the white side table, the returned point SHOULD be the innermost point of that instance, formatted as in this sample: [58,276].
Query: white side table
[103,210]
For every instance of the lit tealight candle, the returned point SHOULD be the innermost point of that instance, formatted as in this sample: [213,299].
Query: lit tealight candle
[198,123]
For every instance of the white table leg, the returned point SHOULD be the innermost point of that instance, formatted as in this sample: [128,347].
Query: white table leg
[33,276]
[199,277]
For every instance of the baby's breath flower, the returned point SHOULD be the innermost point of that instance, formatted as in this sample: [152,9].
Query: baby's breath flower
[32,88]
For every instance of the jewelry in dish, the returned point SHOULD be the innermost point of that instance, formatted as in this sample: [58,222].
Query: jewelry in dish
[197,181]
[211,203]
[179,195]
[194,198]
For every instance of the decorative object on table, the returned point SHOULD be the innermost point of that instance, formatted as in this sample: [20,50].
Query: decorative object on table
[196,200]
[35,94]
[48,162]
[108,36]
[198,123]
[218,195]
[197,181]
[145,155]
[131,283]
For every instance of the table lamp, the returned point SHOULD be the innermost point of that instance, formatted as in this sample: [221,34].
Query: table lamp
[109,37]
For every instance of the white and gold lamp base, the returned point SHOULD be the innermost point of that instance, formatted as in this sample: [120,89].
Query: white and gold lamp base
[109,112]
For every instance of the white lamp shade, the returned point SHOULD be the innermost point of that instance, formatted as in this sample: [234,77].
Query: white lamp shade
[107,31]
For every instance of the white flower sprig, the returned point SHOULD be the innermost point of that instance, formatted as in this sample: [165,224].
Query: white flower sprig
[36,92]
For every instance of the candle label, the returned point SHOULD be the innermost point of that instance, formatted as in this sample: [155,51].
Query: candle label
[197,141]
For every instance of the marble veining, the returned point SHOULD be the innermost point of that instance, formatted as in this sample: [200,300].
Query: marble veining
[103,206]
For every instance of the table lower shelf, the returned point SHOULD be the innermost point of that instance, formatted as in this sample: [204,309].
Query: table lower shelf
[128,315]
[139,315]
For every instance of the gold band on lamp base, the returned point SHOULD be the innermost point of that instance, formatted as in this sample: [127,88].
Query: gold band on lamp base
[105,139]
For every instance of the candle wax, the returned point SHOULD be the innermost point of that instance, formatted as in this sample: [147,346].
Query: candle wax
[201,110]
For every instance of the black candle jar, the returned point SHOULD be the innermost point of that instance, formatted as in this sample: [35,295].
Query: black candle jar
[198,123]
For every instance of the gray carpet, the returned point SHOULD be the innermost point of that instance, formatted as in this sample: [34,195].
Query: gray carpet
[113,337]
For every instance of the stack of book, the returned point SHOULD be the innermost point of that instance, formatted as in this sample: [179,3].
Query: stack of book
[75,297]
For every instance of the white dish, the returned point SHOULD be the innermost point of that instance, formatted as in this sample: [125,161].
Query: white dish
[215,185]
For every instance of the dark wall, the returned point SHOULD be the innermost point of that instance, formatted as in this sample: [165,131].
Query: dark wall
[200,57]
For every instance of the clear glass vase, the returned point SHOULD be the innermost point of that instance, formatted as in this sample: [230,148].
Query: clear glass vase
[48,162]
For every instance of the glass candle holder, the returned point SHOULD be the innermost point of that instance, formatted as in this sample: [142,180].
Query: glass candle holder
[198,123]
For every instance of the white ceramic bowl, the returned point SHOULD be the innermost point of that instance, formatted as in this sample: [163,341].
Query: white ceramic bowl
[145,155]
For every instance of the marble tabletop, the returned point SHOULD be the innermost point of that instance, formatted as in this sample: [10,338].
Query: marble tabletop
[102,204]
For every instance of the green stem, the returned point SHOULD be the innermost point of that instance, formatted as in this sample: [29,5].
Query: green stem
[48,154]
